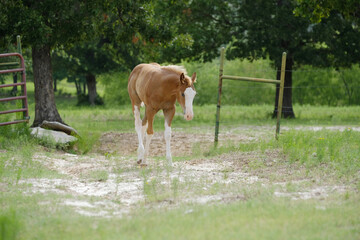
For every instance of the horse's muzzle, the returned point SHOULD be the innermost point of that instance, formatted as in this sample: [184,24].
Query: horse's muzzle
[188,115]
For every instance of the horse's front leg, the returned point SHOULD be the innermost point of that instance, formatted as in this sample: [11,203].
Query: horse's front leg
[169,115]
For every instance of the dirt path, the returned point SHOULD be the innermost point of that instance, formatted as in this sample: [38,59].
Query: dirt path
[182,144]
[126,186]
[109,183]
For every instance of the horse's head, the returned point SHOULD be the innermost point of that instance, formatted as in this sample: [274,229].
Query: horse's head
[186,95]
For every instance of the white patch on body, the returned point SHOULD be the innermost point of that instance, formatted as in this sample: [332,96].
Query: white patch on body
[189,98]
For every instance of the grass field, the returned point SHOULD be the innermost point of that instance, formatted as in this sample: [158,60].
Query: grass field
[304,186]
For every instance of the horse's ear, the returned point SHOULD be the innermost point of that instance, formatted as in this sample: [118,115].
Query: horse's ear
[182,78]
[193,77]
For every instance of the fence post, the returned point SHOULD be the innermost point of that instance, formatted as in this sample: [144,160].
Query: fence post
[23,76]
[16,75]
[219,95]
[281,94]
[18,40]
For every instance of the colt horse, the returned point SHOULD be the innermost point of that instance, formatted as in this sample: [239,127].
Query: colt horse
[158,87]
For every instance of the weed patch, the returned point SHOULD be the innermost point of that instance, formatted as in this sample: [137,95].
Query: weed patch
[9,225]
[339,150]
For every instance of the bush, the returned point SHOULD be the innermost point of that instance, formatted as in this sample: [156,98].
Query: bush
[326,86]
[115,88]
[83,100]
[311,85]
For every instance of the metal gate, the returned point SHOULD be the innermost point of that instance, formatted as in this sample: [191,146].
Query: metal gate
[20,69]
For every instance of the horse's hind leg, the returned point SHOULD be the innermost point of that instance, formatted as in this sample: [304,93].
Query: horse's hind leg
[144,126]
[138,129]
[148,125]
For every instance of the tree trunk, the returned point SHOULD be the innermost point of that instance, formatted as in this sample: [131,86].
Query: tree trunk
[78,86]
[287,107]
[55,85]
[91,85]
[84,87]
[45,108]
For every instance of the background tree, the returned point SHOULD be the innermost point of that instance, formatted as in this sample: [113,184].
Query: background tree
[268,28]
[344,44]
[44,25]
[84,61]
[148,32]
[130,32]
[257,29]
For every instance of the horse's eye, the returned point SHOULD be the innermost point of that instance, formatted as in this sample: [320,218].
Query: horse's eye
[183,94]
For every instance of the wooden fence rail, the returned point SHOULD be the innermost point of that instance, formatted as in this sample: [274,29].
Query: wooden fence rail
[260,80]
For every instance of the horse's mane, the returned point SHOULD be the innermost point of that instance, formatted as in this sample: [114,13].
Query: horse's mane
[175,68]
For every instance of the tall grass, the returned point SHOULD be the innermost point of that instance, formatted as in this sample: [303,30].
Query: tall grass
[335,151]
[9,226]
[338,150]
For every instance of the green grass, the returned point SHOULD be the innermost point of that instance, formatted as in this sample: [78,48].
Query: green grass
[339,151]
[250,220]
[102,119]
[331,156]
[262,217]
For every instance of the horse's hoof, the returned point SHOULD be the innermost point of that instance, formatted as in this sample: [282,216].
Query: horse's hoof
[141,163]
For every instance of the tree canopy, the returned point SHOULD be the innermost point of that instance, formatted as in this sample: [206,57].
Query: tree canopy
[254,29]
[51,23]
[92,37]
[46,25]
[316,11]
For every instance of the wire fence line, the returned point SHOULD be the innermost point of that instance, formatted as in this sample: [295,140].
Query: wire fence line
[300,70]
[293,87]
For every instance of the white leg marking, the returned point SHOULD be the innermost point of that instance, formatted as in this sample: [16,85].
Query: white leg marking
[167,140]
[147,144]
[189,98]
[138,129]
[143,130]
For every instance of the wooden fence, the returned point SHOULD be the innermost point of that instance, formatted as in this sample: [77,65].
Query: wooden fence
[260,80]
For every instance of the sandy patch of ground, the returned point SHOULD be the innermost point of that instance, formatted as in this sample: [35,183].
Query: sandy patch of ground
[319,128]
[108,183]
[182,144]
[128,186]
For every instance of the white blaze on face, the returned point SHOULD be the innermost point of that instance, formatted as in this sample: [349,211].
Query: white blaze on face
[189,98]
